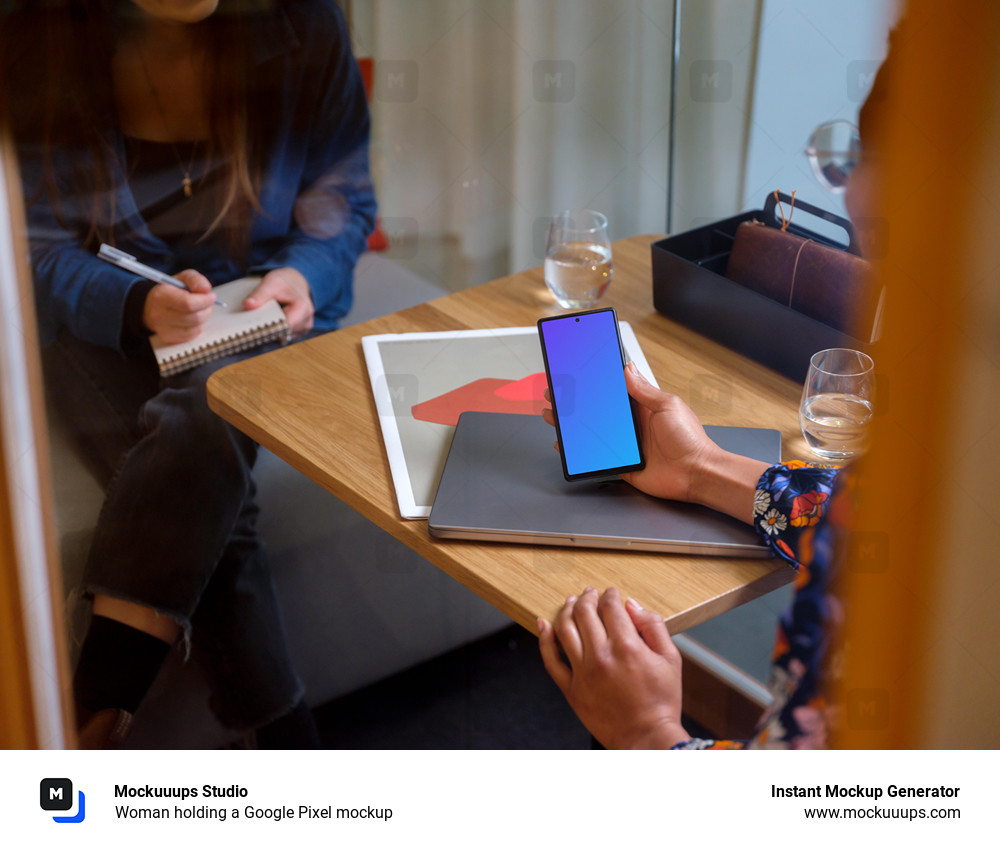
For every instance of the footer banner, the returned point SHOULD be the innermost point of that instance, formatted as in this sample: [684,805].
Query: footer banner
[362,799]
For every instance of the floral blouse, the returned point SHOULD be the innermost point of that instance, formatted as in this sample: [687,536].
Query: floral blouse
[801,511]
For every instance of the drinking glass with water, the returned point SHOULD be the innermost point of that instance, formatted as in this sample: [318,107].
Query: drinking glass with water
[578,267]
[837,403]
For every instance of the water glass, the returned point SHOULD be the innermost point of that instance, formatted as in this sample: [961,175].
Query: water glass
[837,403]
[578,267]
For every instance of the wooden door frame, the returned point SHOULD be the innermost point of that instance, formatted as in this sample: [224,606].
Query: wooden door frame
[942,84]
[35,704]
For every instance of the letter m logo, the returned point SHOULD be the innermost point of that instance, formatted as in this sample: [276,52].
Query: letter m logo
[860,77]
[867,708]
[866,79]
[711,80]
[396,80]
[553,80]
[55,795]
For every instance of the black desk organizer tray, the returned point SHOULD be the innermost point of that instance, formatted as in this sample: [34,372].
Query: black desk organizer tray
[690,287]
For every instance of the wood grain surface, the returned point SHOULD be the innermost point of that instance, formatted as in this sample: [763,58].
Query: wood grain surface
[311,404]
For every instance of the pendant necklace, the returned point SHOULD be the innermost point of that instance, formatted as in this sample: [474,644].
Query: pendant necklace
[186,183]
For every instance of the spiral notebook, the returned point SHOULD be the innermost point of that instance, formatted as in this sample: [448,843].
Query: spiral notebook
[231,329]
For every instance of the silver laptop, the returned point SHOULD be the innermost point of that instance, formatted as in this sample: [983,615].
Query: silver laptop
[502,482]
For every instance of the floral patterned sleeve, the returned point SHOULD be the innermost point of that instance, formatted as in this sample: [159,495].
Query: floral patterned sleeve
[791,498]
[793,506]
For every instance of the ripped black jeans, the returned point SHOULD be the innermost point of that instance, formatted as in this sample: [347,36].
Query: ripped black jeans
[178,528]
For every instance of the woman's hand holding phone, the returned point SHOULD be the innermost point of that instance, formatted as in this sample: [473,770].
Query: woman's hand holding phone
[682,462]
[674,442]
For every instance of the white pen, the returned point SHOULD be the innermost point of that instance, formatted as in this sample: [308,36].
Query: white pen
[130,263]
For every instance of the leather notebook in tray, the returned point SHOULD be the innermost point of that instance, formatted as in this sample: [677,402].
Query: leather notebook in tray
[768,287]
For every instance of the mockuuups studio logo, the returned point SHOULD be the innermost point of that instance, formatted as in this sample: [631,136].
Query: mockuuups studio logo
[396,81]
[711,80]
[554,80]
[56,795]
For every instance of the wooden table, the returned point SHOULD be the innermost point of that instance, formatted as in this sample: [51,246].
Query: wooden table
[311,404]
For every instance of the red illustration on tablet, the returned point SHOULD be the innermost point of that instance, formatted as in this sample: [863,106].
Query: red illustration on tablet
[486,395]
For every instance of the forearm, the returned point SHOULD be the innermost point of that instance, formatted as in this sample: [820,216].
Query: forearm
[76,291]
[727,482]
[332,221]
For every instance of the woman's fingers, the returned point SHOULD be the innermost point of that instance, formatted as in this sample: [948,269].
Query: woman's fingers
[652,629]
[554,665]
[195,281]
[593,634]
[567,632]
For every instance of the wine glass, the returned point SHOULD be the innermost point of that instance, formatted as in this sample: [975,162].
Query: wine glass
[578,266]
[837,403]
[834,150]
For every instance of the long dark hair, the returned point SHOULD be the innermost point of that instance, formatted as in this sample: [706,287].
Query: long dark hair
[56,57]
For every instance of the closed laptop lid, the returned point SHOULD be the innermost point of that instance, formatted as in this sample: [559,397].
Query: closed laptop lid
[503,481]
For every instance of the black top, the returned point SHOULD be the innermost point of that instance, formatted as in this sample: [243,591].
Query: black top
[156,177]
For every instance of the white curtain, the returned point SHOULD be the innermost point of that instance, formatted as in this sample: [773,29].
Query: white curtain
[490,116]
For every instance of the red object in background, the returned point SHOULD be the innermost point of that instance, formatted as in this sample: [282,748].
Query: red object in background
[377,239]
[486,395]
[367,66]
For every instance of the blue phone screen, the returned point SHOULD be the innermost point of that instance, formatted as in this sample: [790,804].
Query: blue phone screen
[584,360]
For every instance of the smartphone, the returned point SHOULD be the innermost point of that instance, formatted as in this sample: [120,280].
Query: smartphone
[595,420]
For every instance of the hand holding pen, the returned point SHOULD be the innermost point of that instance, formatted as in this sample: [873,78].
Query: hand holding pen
[176,311]
[131,264]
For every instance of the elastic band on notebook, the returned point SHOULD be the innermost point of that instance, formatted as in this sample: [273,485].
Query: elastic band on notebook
[785,221]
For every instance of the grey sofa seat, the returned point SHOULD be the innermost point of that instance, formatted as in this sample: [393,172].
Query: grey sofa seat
[358,605]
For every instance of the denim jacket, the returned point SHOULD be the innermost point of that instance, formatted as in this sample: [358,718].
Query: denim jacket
[316,193]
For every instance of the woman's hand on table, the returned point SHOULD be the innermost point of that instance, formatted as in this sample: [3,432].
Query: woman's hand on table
[290,289]
[619,670]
